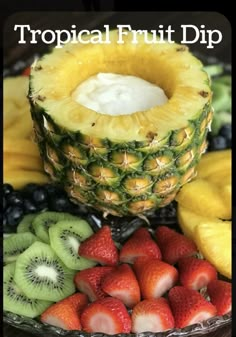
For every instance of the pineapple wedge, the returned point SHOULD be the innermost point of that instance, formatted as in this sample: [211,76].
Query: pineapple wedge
[221,178]
[202,197]
[226,193]
[20,146]
[189,220]
[214,242]
[214,162]
[19,178]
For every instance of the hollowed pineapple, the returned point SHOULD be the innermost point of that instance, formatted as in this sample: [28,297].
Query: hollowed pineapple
[125,164]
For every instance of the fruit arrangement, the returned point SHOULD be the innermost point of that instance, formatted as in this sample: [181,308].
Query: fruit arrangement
[64,266]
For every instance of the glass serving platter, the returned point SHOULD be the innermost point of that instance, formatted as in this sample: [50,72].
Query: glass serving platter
[121,228]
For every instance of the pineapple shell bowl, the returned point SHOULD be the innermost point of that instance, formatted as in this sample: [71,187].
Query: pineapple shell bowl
[127,164]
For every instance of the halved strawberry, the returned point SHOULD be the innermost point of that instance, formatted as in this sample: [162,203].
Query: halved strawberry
[78,300]
[152,315]
[62,315]
[142,233]
[174,245]
[100,247]
[155,277]
[189,306]
[220,293]
[195,273]
[107,315]
[121,283]
[139,245]
[88,281]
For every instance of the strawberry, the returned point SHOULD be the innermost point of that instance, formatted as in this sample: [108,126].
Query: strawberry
[107,315]
[26,71]
[122,284]
[189,306]
[100,247]
[78,301]
[141,233]
[62,315]
[152,315]
[195,273]
[88,281]
[220,293]
[174,245]
[139,245]
[155,277]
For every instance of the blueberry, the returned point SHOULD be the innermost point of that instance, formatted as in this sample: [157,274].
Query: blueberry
[7,189]
[218,143]
[15,199]
[39,195]
[30,188]
[29,206]
[4,203]
[226,131]
[60,203]
[53,190]
[13,215]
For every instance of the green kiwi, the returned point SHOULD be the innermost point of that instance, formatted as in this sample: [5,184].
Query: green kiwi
[16,244]
[42,275]
[26,224]
[65,238]
[221,97]
[14,300]
[43,221]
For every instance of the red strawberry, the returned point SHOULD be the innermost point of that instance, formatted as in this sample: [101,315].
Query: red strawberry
[26,71]
[62,315]
[100,247]
[88,281]
[78,301]
[141,233]
[155,277]
[122,284]
[195,273]
[108,315]
[220,293]
[174,245]
[139,245]
[152,315]
[189,306]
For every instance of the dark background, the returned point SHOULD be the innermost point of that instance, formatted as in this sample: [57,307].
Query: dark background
[13,52]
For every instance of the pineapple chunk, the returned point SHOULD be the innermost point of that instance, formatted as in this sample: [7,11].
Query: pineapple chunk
[20,146]
[214,162]
[203,197]
[226,193]
[19,178]
[189,220]
[214,242]
[220,178]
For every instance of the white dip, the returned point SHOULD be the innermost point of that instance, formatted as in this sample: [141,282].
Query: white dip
[114,94]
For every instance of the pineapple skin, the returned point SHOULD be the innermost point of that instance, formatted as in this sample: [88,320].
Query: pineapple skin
[119,178]
[123,175]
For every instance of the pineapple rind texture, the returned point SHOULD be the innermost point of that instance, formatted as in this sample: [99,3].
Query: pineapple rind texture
[113,172]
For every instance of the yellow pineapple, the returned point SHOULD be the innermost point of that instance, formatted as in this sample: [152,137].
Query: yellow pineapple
[214,242]
[189,220]
[203,197]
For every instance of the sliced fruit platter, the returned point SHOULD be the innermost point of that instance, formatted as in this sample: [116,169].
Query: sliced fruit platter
[125,234]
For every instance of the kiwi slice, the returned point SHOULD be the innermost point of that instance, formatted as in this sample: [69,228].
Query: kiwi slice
[14,300]
[43,221]
[16,244]
[26,224]
[65,238]
[42,275]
